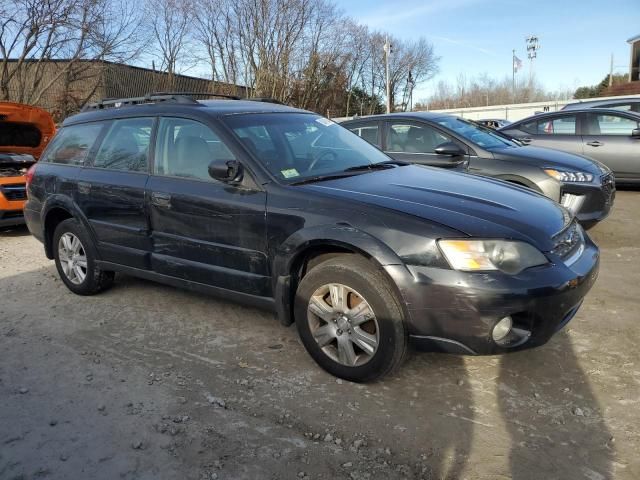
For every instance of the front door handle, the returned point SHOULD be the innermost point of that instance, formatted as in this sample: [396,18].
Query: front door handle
[161,199]
[84,187]
[595,143]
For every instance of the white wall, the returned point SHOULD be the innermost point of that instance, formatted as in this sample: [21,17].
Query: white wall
[514,112]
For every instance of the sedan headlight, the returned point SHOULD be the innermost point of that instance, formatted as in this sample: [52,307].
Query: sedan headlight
[567,176]
[480,255]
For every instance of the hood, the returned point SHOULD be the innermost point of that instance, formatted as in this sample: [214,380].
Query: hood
[476,206]
[549,157]
[24,129]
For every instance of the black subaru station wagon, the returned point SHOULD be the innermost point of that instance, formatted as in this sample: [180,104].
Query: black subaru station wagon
[281,208]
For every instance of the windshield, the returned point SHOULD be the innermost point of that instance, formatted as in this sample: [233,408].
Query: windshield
[482,136]
[299,146]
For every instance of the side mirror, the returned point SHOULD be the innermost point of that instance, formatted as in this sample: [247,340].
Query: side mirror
[226,170]
[449,148]
[635,133]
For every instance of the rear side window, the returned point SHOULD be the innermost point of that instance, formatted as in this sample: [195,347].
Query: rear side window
[529,127]
[603,124]
[72,144]
[185,148]
[370,133]
[126,145]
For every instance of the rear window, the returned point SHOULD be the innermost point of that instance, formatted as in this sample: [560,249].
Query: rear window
[19,135]
[72,144]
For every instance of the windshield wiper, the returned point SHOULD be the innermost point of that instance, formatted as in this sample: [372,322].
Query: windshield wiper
[377,166]
[321,178]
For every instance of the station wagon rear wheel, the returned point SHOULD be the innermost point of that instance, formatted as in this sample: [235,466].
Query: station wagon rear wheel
[350,319]
[75,258]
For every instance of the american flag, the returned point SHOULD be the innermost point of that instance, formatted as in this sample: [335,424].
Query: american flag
[517,64]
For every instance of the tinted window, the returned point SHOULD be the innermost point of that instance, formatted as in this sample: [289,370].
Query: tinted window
[295,146]
[410,138]
[126,145]
[71,145]
[624,107]
[482,136]
[565,125]
[370,133]
[185,148]
[603,124]
[529,127]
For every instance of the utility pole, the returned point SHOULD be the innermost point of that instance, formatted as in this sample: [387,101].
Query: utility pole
[532,53]
[387,53]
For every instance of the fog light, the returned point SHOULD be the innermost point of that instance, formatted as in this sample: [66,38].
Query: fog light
[502,329]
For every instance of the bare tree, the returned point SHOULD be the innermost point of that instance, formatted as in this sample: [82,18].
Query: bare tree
[170,23]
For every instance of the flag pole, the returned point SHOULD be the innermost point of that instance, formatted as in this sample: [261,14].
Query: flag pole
[513,74]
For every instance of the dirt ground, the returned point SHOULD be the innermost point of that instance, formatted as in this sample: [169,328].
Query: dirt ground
[150,382]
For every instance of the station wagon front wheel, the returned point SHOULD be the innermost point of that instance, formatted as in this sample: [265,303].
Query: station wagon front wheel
[75,258]
[350,319]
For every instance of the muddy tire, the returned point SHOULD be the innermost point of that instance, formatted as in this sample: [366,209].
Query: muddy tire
[75,257]
[350,319]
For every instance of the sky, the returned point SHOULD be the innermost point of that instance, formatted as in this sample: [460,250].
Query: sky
[477,36]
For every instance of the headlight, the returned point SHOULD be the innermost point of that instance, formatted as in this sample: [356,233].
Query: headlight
[477,255]
[565,176]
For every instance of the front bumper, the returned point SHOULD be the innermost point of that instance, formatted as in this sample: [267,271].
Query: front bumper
[590,202]
[456,311]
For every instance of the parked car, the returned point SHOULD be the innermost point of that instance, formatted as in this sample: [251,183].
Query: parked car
[627,104]
[611,137]
[586,187]
[493,123]
[24,132]
[281,208]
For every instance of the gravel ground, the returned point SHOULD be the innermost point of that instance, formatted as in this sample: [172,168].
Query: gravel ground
[150,382]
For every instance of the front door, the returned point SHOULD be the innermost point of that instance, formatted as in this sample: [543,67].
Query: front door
[416,143]
[607,138]
[111,192]
[204,230]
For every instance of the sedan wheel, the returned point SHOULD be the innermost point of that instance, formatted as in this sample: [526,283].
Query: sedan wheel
[73,258]
[343,324]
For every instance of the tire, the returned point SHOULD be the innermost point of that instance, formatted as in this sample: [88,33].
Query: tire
[368,289]
[65,249]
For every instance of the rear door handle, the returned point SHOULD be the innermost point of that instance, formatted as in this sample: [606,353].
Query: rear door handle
[525,140]
[595,143]
[84,187]
[161,199]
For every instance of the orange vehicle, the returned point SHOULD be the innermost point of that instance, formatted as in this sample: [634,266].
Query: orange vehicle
[24,133]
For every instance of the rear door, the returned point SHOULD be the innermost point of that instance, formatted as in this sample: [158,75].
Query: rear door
[554,131]
[204,230]
[111,191]
[415,142]
[607,138]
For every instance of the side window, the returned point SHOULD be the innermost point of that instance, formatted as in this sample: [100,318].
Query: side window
[71,145]
[126,145]
[410,138]
[185,148]
[529,127]
[370,133]
[603,124]
[623,107]
[565,125]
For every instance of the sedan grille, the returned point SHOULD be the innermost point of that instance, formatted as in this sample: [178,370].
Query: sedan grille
[14,191]
[569,243]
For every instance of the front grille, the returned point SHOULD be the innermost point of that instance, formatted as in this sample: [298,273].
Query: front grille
[608,182]
[14,191]
[569,242]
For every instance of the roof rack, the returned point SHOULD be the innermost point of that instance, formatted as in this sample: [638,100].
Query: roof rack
[172,97]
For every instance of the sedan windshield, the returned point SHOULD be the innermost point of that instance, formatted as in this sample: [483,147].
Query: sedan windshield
[297,146]
[481,136]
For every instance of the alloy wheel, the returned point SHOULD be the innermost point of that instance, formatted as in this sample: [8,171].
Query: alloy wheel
[73,258]
[343,324]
